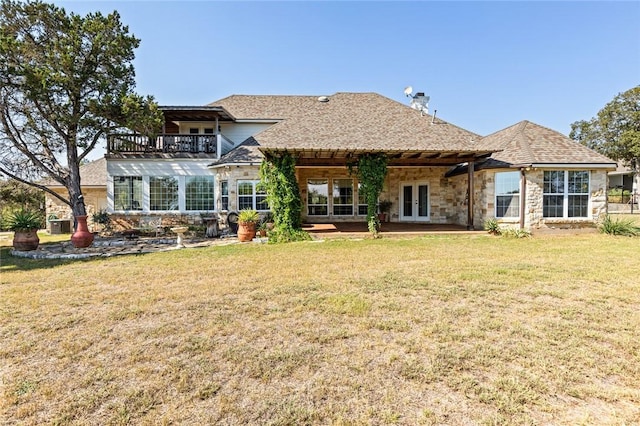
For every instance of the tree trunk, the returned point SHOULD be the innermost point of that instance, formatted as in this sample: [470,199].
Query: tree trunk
[76,198]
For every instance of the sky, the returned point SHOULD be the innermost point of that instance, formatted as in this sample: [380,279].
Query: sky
[485,65]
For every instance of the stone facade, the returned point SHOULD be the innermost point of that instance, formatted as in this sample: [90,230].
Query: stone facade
[95,199]
[534,216]
[447,196]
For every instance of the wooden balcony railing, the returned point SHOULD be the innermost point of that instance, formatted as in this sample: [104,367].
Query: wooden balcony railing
[164,143]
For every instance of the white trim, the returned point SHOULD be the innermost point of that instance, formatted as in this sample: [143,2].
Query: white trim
[576,166]
[217,166]
[415,185]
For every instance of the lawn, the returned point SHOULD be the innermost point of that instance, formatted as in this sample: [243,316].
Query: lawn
[431,330]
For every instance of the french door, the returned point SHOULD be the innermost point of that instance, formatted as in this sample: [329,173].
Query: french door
[414,201]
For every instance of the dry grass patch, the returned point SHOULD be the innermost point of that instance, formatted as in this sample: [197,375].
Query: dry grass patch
[433,330]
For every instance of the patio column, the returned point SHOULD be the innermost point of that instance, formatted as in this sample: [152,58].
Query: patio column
[523,196]
[471,170]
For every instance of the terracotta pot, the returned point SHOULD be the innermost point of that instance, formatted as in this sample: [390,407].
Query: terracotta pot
[246,231]
[82,237]
[26,240]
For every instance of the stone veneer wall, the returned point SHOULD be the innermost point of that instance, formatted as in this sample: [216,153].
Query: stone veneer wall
[598,182]
[94,199]
[232,175]
[447,196]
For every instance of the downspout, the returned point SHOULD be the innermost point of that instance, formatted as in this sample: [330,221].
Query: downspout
[523,196]
[471,170]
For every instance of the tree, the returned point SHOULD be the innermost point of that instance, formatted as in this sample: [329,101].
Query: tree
[66,81]
[15,196]
[615,131]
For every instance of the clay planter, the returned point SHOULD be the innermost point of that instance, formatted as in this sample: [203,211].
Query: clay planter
[246,231]
[26,240]
[82,237]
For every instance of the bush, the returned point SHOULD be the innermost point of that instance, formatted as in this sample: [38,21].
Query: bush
[492,226]
[248,216]
[287,235]
[623,227]
[515,233]
[24,220]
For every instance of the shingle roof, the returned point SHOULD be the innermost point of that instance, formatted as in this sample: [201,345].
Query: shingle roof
[91,174]
[348,121]
[246,152]
[527,143]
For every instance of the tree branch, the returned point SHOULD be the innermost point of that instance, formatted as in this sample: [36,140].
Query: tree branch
[35,185]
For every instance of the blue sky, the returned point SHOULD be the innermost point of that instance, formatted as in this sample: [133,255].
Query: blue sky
[486,65]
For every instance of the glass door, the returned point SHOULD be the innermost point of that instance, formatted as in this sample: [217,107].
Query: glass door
[414,201]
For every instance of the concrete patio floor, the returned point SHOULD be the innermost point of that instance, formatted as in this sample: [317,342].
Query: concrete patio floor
[388,229]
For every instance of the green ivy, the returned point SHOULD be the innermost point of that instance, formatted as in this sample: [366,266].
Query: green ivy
[371,172]
[278,180]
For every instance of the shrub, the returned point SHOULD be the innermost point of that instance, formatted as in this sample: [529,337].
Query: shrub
[623,227]
[492,226]
[248,216]
[287,235]
[24,220]
[515,233]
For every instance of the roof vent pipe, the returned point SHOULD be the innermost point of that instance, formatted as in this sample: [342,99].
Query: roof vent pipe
[435,111]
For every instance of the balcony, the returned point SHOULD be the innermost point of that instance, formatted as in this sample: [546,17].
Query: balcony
[166,144]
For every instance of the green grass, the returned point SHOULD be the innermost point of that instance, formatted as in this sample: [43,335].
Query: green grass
[431,330]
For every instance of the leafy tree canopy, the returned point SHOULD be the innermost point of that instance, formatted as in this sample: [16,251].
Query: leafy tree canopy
[66,81]
[615,131]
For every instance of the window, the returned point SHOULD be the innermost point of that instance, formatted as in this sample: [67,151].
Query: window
[566,194]
[250,197]
[578,193]
[317,197]
[163,193]
[342,197]
[508,194]
[127,193]
[224,194]
[199,193]
[362,202]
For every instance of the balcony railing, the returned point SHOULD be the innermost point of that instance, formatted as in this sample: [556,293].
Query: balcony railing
[164,143]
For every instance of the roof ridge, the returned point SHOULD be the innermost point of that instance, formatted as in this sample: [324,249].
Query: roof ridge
[526,144]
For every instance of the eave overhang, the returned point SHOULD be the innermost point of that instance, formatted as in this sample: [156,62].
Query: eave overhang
[342,157]
[195,113]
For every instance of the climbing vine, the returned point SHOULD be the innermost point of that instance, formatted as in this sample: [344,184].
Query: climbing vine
[278,180]
[371,170]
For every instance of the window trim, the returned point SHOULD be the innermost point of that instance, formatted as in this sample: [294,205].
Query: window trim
[254,195]
[130,188]
[179,195]
[186,193]
[327,204]
[516,194]
[565,194]
[334,205]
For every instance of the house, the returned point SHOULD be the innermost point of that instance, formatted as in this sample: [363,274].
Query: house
[623,181]
[93,180]
[206,161]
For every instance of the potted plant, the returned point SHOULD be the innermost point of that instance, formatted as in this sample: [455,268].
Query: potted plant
[384,207]
[266,224]
[25,224]
[102,217]
[247,221]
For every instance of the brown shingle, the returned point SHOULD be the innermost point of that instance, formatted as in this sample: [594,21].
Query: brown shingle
[527,143]
[91,174]
[348,121]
